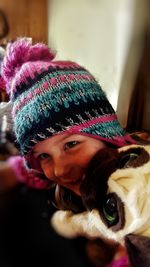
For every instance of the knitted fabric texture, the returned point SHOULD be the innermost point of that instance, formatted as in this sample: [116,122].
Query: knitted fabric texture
[50,97]
[2,82]
[23,176]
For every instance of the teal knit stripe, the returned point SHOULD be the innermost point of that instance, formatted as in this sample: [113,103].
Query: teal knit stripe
[63,96]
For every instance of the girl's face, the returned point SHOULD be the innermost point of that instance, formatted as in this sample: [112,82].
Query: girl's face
[64,158]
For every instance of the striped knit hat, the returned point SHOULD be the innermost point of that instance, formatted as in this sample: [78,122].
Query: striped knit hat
[51,97]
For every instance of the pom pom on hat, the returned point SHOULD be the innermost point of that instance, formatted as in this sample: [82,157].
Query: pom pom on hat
[19,53]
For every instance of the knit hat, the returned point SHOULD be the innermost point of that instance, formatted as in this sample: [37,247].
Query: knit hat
[51,97]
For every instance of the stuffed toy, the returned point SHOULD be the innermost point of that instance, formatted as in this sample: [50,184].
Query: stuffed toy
[115,202]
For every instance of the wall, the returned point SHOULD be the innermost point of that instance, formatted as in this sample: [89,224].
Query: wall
[90,32]
[96,34]
[133,60]
[26,18]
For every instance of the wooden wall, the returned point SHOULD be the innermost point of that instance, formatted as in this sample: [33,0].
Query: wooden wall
[26,18]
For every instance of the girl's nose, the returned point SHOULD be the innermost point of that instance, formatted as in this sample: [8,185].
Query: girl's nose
[61,169]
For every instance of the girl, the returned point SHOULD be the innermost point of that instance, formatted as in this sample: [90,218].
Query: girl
[61,115]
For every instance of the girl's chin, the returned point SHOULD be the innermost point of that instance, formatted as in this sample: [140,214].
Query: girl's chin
[76,190]
[74,186]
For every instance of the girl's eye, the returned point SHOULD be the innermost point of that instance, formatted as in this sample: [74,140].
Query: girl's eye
[110,210]
[42,156]
[71,144]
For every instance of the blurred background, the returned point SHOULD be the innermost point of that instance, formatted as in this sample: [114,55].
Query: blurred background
[112,40]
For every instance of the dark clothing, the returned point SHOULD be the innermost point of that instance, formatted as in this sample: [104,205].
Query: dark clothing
[26,237]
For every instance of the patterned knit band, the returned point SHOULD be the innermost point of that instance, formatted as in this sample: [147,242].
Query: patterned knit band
[50,97]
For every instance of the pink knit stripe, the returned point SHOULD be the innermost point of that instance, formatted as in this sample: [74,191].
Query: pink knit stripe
[100,119]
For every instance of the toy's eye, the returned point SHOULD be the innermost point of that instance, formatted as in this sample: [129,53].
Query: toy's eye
[127,159]
[110,211]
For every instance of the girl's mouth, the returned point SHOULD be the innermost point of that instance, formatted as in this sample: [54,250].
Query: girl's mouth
[75,182]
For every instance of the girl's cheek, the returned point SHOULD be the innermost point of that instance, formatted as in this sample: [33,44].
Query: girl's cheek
[84,159]
[47,171]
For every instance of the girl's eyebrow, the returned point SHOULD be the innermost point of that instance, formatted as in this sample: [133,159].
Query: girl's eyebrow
[35,152]
[62,139]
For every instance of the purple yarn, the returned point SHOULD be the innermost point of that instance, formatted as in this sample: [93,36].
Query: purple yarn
[20,52]
[2,84]
[121,262]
